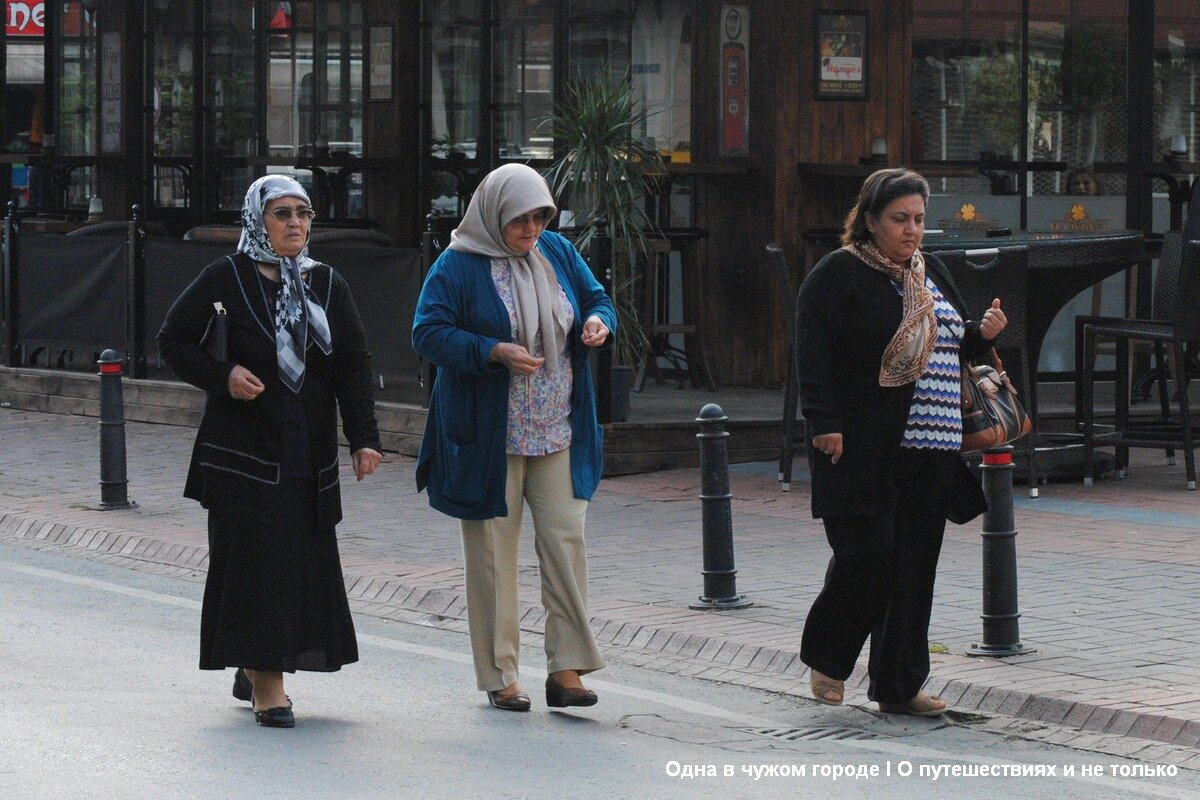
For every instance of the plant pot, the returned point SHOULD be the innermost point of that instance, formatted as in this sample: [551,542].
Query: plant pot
[620,388]
[614,385]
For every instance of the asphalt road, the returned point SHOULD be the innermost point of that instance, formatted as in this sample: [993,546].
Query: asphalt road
[100,698]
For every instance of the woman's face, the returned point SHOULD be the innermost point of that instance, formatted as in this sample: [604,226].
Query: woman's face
[898,229]
[522,233]
[288,236]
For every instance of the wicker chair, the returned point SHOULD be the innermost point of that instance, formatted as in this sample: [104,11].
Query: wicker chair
[981,276]
[1176,320]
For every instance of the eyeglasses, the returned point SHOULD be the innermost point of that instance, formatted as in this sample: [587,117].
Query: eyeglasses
[539,217]
[283,214]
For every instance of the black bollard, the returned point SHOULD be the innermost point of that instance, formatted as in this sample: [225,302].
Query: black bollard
[1001,630]
[720,578]
[113,484]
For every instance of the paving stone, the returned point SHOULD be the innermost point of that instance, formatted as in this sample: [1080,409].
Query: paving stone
[1107,574]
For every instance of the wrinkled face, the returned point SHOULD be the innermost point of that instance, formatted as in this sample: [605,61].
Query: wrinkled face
[522,233]
[288,235]
[898,229]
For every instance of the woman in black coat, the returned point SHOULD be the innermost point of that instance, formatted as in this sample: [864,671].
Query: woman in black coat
[880,327]
[265,463]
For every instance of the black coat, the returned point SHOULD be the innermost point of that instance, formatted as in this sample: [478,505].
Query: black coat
[236,460]
[846,314]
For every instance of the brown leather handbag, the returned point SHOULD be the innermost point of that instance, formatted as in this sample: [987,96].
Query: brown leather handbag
[992,413]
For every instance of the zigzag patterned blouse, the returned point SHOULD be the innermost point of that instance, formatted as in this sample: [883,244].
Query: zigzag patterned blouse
[935,417]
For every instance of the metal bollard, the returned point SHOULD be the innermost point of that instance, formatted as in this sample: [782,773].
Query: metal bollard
[720,578]
[113,483]
[1001,630]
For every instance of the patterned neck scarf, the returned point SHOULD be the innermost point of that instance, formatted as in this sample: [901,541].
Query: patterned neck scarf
[296,311]
[505,194]
[907,355]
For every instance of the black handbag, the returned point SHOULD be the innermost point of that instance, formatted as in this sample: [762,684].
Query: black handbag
[992,414]
[215,340]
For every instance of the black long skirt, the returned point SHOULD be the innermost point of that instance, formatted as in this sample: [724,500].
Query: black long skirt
[275,599]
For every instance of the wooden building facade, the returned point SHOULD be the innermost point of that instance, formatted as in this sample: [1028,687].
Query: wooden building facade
[392,109]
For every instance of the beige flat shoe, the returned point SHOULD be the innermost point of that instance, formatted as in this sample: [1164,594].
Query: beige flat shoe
[825,689]
[923,705]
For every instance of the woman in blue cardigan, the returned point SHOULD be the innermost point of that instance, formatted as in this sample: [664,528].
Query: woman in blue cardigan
[508,314]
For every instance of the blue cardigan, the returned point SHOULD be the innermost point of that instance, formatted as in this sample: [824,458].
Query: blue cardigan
[460,318]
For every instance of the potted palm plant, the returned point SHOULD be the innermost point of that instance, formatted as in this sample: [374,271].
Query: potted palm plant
[599,172]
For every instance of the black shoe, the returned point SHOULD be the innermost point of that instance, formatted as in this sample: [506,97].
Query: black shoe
[517,702]
[558,696]
[242,688]
[279,717]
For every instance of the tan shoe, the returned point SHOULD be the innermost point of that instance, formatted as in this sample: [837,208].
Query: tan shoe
[825,689]
[923,705]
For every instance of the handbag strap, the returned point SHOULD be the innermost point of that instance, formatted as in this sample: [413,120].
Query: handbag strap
[996,360]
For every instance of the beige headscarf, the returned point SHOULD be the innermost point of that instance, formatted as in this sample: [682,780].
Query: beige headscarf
[907,355]
[504,194]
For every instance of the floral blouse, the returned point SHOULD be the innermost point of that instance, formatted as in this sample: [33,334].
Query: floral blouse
[539,405]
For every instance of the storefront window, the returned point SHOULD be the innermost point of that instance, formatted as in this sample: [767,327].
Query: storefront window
[1037,150]
[24,98]
[231,78]
[662,71]
[495,66]
[456,77]
[80,73]
[966,106]
[599,39]
[314,92]
[173,92]
[523,70]
[1176,91]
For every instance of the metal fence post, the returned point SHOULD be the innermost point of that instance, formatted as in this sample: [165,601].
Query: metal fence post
[720,577]
[12,347]
[114,485]
[135,306]
[1001,630]
[600,260]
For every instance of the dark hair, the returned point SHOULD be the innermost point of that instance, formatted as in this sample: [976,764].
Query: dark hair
[880,188]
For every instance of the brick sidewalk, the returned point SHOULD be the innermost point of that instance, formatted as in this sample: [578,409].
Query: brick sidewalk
[1109,576]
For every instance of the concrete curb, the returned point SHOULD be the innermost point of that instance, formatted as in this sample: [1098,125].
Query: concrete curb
[666,631]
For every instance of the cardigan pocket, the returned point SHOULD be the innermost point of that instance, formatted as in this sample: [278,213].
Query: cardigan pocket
[464,472]
[228,460]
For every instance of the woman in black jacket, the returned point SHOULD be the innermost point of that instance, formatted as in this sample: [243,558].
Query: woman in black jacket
[880,327]
[265,463]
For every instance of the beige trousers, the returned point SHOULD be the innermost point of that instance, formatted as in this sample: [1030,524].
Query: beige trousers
[490,556]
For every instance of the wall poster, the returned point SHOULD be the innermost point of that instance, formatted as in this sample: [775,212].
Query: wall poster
[735,80]
[841,56]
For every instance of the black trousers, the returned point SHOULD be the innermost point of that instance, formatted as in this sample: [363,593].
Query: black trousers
[880,583]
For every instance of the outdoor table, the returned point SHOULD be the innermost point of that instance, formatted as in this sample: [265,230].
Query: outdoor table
[1061,265]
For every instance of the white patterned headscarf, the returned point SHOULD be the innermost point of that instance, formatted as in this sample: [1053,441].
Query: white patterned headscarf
[296,311]
[504,194]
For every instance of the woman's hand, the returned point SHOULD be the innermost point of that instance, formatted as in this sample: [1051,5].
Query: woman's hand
[830,444]
[595,332]
[993,322]
[515,357]
[243,385]
[365,461]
